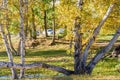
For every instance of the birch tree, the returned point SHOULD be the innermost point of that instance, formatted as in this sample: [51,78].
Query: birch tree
[7,45]
[22,38]
[9,53]
[53,38]
[26,17]
[80,54]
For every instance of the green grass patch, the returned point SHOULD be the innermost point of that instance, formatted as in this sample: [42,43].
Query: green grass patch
[56,55]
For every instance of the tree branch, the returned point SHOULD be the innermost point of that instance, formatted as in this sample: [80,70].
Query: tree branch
[95,33]
[35,65]
[101,53]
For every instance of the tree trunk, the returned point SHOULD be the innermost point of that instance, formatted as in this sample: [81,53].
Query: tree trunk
[33,25]
[18,49]
[10,42]
[53,38]
[77,46]
[22,38]
[79,59]
[95,33]
[9,53]
[30,32]
[101,53]
[9,36]
[45,23]
[26,17]
[80,3]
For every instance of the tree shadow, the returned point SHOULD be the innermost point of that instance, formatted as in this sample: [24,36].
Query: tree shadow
[47,53]
[3,54]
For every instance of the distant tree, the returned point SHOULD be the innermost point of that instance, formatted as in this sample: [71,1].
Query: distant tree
[53,38]
[45,22]
[34,35]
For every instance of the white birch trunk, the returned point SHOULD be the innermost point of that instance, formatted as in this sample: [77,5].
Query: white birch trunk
[101,53]
[95,33]
[22,38]
[77,46]
[9,53]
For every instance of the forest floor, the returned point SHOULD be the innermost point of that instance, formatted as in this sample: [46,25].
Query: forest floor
[57,55]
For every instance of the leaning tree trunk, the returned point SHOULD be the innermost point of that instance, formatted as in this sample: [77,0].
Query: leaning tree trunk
[10,42]
[9,36]
[22,39]
[101,53]
[53,38]
[95,33]
[9,53]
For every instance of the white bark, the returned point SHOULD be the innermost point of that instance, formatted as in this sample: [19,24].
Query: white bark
[26,17]
[77,46]
[101,53]
[22,38]
[95,33]
[80,3]
[9,53]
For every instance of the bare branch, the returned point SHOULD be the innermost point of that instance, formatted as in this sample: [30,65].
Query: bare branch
[95,33]
[100,54]
[9,53]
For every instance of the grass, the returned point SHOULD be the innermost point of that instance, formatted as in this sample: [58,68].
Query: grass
[105,38]
[56,55]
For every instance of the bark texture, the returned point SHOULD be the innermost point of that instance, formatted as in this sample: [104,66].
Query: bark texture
[101,53]
[77,46]
[22,38]
[9,53]
[79,59]
[95,33]
[80,3]
[7,46]
[35,65]
[26,17]
[45,23]
[53,38]
[7,24]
